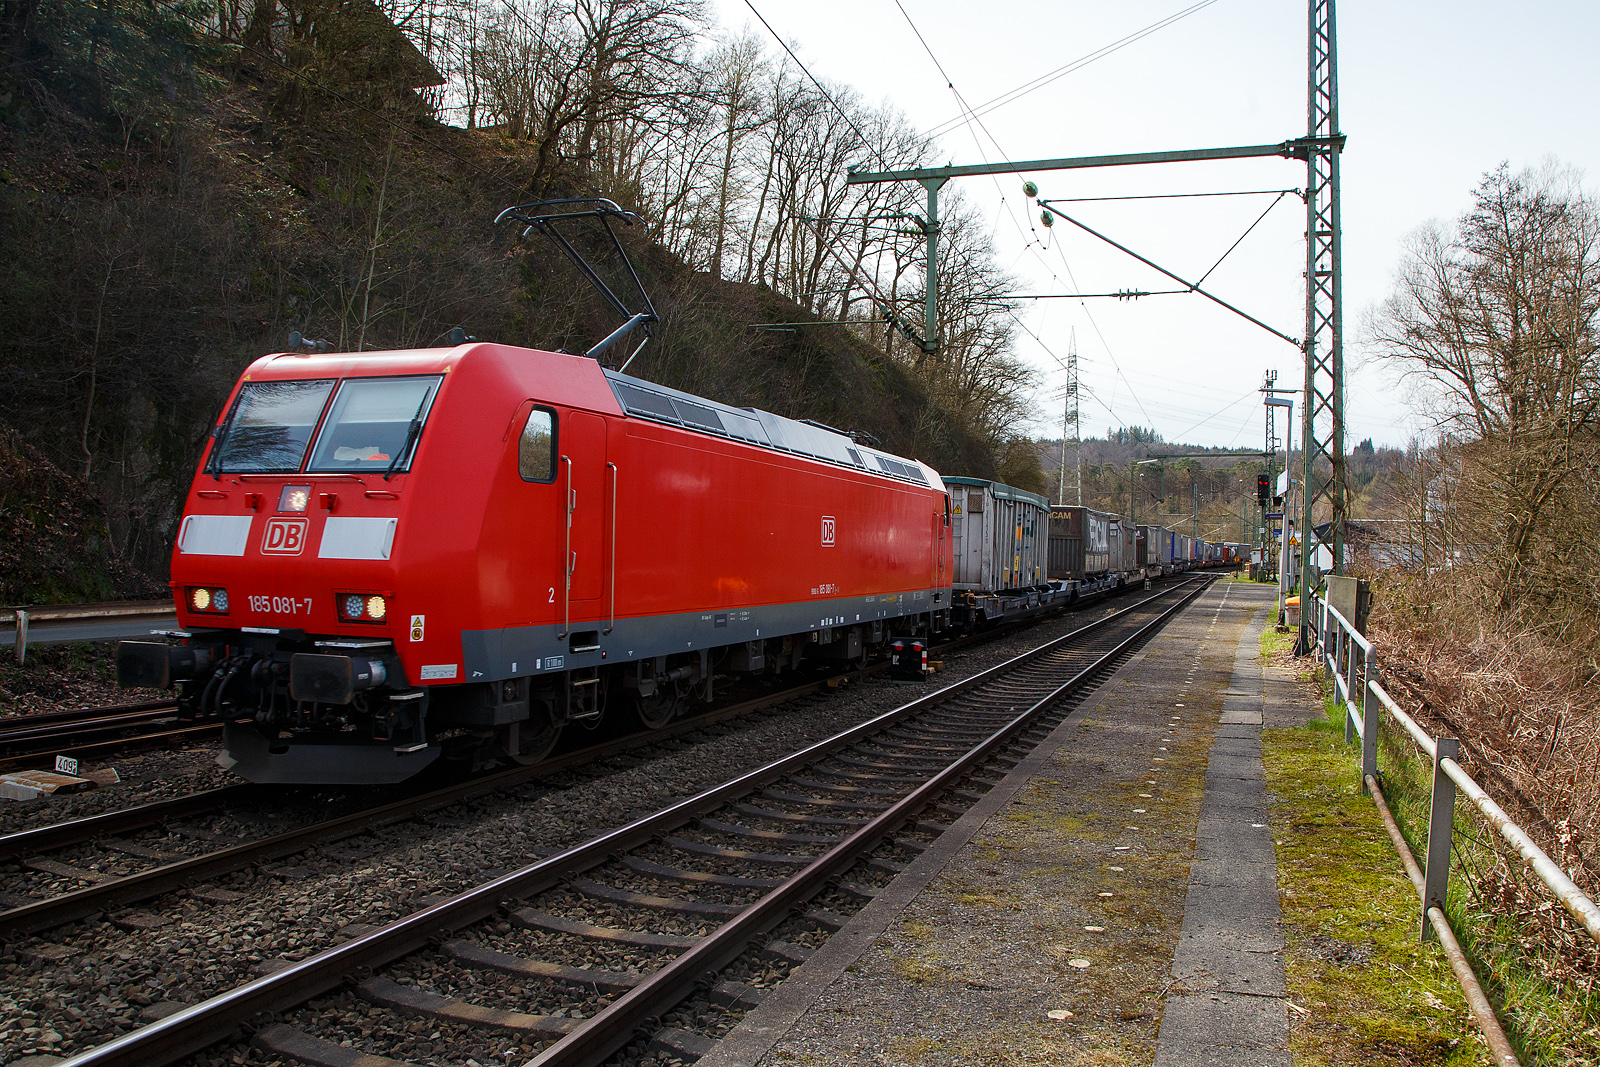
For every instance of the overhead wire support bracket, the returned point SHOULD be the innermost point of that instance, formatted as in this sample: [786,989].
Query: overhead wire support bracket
[1118,294]
[1294,149]
[932,178]
[817,322]
[1193,287]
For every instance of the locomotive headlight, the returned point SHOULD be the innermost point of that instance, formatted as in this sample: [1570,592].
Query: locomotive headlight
[208,599]
[370,608]
[294,498]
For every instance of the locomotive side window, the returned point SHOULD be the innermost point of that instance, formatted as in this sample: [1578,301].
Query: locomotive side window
[536,451]
[374,424]
[270,426]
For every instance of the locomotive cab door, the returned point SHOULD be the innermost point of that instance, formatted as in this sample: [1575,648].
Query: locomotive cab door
[589,486]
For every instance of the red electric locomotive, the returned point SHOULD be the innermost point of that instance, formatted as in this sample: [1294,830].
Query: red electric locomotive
[388,555]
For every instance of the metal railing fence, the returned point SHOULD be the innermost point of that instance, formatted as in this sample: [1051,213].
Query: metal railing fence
[22,618]
[1373,716]
[1337,646]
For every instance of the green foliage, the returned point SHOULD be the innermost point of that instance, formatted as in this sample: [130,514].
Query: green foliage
[1134,435]
[1548,1009]
[1019,464]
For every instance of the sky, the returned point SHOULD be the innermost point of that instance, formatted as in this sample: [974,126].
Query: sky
[1432,96]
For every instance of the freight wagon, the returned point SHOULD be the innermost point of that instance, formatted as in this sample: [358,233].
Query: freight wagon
[1085,547]
[1000,540]
[1156,559]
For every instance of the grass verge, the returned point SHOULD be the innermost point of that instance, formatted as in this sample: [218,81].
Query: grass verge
[1366,991]
[1506,922]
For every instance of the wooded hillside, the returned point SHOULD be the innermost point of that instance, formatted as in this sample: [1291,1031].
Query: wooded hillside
[183,184]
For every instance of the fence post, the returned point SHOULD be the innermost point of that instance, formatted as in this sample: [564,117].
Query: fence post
[1347,671]
[1370,706]
[1350,649]
[22,635]
[1441,820]
[1327,647]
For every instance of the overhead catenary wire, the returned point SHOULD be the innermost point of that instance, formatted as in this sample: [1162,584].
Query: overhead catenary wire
[975,123]
[856,272]
[1248,230]
[1216,414]
[971,118]
[1167,196]
[1011,96]
[865,142]
[1081,385]
[866,283]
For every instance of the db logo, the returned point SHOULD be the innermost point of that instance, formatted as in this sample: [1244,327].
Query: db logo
[828,530]
[284,537]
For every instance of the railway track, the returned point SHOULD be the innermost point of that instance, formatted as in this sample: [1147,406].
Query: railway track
[709,898]
[127,866]
[84,733]
[115,831]
[34,740]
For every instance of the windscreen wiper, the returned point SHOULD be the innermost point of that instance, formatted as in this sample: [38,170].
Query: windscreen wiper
[219,434]
[412,434]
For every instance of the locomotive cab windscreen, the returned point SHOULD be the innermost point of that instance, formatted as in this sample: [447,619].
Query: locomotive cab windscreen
[372,424]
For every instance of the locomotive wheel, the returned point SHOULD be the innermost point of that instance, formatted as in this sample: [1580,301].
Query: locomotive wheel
[657,709]
[537,738]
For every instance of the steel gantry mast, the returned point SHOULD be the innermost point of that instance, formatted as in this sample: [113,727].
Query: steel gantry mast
[1071,441]
[1322,407]
[1322,412]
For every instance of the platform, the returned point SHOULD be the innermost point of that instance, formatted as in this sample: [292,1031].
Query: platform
[1113,901]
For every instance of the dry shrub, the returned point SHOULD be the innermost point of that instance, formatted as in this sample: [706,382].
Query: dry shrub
[1527,713]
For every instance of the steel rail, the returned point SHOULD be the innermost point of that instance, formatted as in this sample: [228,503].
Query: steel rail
[612,1028]
[215,1019]
[91,900]
[38,718]
[72,727]
[171,732]
[60,835]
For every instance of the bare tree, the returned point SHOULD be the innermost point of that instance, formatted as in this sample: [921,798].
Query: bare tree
[1495,319]
[737,65]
